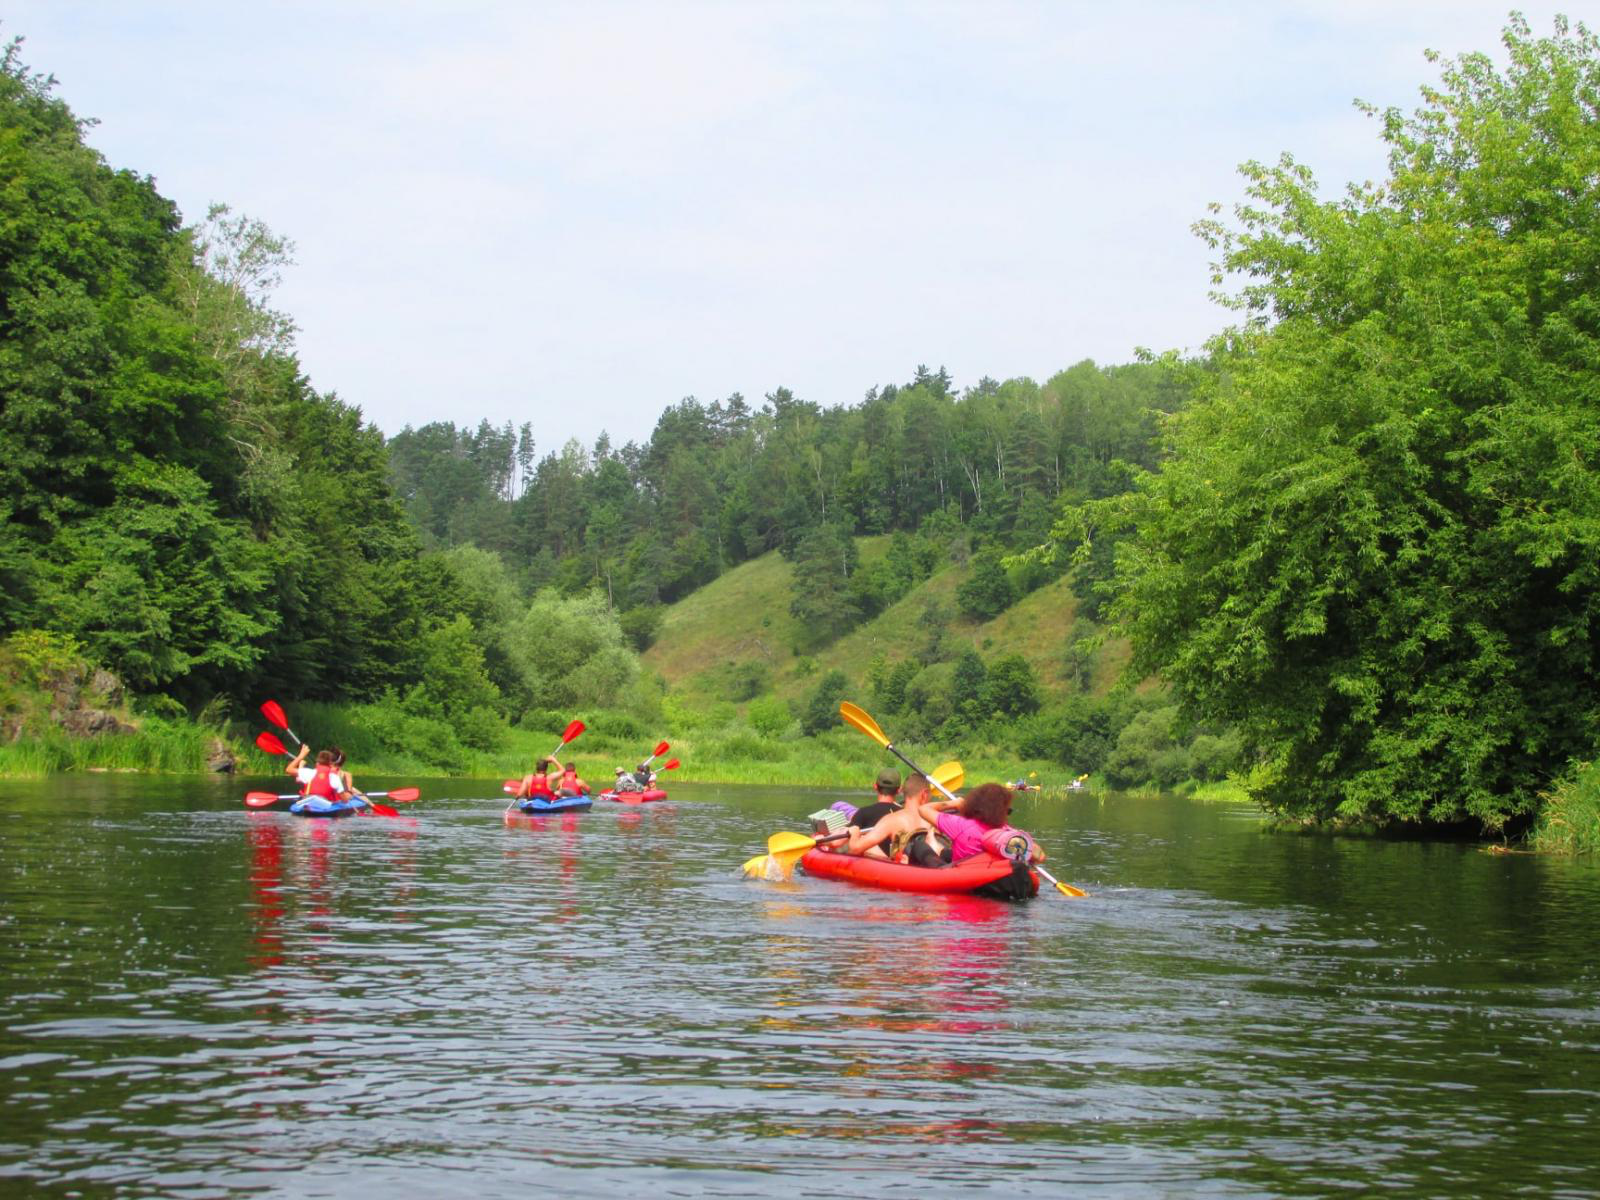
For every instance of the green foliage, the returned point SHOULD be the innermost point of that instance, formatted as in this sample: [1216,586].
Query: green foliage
[579,654]
[1010,688]
[824,559]
[988,592]
[1149,752]
[1375,548]
[967,683]
[1569,821]
[746,680]
[453,680]
[888,687]
[769,716]
[397,729]
[822,709]
[641,625]
[1079,734]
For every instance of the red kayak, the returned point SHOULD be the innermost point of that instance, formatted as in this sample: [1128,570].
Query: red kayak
[646,797]
[985,874]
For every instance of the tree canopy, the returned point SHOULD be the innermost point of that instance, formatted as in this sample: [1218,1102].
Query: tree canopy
[1375,542]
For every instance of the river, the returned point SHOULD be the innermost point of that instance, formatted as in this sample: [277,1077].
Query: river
[199,1000]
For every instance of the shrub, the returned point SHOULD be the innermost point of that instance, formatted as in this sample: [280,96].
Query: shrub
[641,625]
[769,716]
[744,746]
[822,710]
[987,592]
[1569,819]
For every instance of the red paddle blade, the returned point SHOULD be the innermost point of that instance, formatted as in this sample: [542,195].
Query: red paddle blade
[382,810]
[405,795]
[511,785]
[573,731]
[260,799]
[661,748]
[273,712]
[270,743]
[669,764]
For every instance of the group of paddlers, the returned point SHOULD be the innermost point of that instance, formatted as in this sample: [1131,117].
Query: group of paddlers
[903,824]
[328,780]
[550,780]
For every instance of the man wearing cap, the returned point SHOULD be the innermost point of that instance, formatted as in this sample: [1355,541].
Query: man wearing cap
[888,787]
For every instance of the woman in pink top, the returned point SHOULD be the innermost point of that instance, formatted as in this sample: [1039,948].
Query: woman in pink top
[986,809]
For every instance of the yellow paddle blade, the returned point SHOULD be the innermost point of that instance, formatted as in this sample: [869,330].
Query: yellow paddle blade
[1066,889]
[948,775]
[774,868]
[854,716]
[780,843]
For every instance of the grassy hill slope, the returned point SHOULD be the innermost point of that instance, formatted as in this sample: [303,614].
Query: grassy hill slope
[713,643]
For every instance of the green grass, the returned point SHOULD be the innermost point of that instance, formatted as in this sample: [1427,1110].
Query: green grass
[1569,821]
[178,747]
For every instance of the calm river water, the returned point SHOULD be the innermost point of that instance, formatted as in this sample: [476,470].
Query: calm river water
[198,1000]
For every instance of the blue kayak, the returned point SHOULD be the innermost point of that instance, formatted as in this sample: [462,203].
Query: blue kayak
[316,806]
[561,804]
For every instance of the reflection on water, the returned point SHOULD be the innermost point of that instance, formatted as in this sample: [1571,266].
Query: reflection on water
[201,1000]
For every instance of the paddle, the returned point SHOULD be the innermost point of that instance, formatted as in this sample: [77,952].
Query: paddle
[402,795]
[783,851]
[273,712]
[661,748]
[572,730]
[271,744]
[778,862]
[858,718]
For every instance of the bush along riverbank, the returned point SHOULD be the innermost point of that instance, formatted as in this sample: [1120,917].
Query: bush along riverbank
[1569,817]
[61,712]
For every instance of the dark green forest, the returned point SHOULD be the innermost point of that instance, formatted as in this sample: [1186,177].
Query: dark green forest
[1354,544]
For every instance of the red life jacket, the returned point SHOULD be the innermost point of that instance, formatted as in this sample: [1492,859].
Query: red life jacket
[538,785]
[322,782]
[569,779]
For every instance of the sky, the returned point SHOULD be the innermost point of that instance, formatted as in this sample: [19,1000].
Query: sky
[578,214]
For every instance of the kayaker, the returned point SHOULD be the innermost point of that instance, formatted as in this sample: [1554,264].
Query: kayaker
[338,762]
[537,782]
[627,781]
[571,785]
[888,787]
[323,781]
[981,821]
[905,831]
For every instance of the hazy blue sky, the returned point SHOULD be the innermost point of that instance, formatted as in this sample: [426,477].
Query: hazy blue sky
[577,214]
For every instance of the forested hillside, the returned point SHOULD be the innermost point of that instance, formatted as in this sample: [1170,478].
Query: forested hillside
[1350,553]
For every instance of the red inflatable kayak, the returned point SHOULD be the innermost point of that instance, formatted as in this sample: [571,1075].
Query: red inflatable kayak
[986,874]
[635,797]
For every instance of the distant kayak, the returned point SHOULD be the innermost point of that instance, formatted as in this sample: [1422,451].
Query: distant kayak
[560,804]
[649,796]
[982,874]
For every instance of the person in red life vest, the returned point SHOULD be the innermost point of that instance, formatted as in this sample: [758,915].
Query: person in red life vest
[323,781]
[537,783]
[571,785]
[982,822]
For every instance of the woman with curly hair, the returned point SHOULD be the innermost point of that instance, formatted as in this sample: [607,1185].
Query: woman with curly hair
[982,821]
